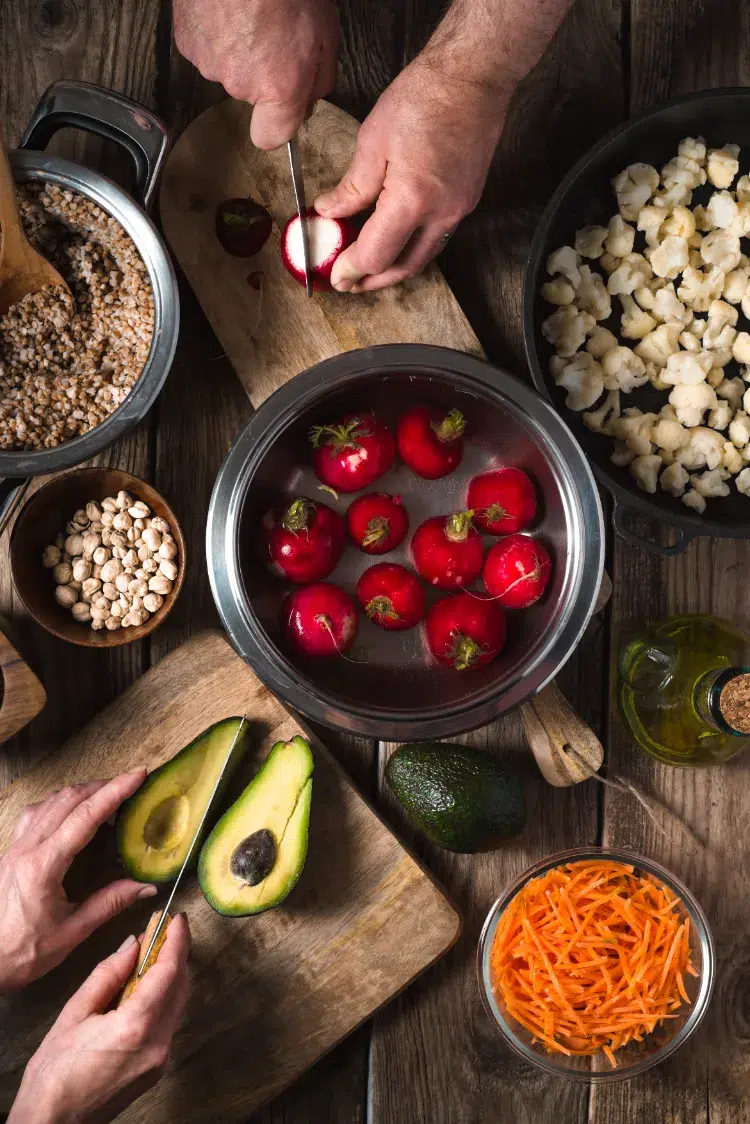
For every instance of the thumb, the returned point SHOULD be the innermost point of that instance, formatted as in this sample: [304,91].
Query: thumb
[274,123]
[103,985]
[359,188]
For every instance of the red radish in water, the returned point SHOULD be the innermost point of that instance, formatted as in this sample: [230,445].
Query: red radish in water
[504,501]
[242,226]
[353,452]
[306,541]
[327,238]
[391,596]
[320,619]
[377,522]
[430,441]
[448,551]
[516,571]
[465,630]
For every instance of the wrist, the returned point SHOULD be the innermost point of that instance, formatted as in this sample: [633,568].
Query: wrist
[36,1101]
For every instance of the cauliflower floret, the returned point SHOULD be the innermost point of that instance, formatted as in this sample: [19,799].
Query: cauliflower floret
[703,449]
[566,262]
[646,294]
[670,258]
[600,342]
[634,428]
[702,221]
[741,347]
[731,390]
[649,221]
[632,272]
[674,479]
[684,171]
[693,147]
[589,242]
[722,165]
[567,328]
[695,500]
[686,368]
[677,195]
[741,224]
[735,285]
[732,459]
[582,378]
[601,420]
[720,330]
[558,291]
[692,402]
[591,294]
[745,304]
[742,189]
[623,370]
[698,288]
[619,242]
[710,484]
[658,345]
[667,433]
[722,249]
[622,455]
[654,374]
[743,482]
[668,308]
[634,323]
[746,401]
[690,342]
[680,223]
[634,187]
[720,356]
[645,471]
[721,210]
[720,417]
[739,429]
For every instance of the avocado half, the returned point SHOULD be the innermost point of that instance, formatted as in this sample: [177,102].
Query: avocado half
[157,823]
[255,855]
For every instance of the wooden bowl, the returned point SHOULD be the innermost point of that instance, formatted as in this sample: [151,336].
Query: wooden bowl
[44,515]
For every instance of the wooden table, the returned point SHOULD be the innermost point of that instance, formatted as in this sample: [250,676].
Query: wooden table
[432,1056]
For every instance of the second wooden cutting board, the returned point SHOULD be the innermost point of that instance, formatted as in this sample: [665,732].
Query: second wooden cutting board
[273,993]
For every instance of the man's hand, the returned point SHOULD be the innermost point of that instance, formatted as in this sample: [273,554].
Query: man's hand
[279,55]
[92,1065]
[423,154]
[38,925]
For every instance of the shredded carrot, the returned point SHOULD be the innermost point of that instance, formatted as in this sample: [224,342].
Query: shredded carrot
[591,956]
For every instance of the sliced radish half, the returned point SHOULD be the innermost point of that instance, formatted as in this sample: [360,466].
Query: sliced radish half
[327,239]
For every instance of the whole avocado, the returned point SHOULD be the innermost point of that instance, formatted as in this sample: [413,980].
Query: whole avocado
[461,798]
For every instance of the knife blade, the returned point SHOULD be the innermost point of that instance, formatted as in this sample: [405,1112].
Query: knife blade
[196,836]
[298,183]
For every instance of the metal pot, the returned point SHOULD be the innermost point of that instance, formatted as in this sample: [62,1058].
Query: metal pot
[390,691]
[144,136]
[586,196]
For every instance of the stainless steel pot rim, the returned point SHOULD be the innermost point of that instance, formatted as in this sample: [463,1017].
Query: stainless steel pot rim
[222,541]
[28,166]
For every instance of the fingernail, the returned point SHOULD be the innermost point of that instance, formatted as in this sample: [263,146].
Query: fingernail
[136,772]
[147,892]
[322,204]
[344,273]
[343,286]
[127,943]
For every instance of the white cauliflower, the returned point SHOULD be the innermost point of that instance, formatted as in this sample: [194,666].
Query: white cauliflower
[674,479]
[720,330]
[686,368]
[741,224]
[711,484]
[558,291]
[669,434]
[742,189]
[739,429]
[622,455]
[670,258]
[623,370]
[565,261]
[632,272]
[668,307]
[745,304]
[600,342]
[649,221]
[589,241]
[658,345]
[695,261]
[634,187]
[692,402]
[646,294]
[591,294]
[620,239]
[634,428]
[743,482]
[731,390]
[690,342]
[682,170]
[680,223]
[704,449]
[702,221]
[567,328]
[722,249]
[746,401]
[669,198]
[722,165]
[695,500]
[601,419]
[720,356]
[654,375]
[741,347]
[609,263]
[645,471]
[735,285]
[721,210]
[732,459]
[582,379]
[694,148]
[635,323]
[699,289]
[720,416]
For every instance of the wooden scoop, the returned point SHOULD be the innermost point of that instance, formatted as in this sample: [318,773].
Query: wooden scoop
[22,269]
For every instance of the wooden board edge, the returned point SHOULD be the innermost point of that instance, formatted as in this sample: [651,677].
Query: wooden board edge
[22,695]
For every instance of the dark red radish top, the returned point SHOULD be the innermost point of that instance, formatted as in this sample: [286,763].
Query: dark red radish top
[353,452]
[377,522]
[391,596]
[517,571]
[320,619]
[327,238]
[465,630]
[447,550]
[503,501]
[304,541]
[242,226]
[430,441]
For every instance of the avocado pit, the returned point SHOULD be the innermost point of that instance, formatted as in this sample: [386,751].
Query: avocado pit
[253,860]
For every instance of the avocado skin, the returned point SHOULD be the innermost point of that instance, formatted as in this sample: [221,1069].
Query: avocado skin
[461,798]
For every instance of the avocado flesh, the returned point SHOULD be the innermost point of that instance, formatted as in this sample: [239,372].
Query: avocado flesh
[461,798]
[156,825]
[276,803]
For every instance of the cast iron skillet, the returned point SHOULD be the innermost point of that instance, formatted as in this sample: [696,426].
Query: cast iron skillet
[586,196]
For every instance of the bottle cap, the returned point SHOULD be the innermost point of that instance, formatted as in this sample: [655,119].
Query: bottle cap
[734,701]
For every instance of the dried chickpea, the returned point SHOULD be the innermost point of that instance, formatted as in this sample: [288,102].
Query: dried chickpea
[81,611]
[51,556]
[63,573]
[65,596]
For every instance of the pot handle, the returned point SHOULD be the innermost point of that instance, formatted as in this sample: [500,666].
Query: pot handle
[683,537]
[12,492]
[81,105]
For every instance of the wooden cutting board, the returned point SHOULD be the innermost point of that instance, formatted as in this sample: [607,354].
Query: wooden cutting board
[273,993]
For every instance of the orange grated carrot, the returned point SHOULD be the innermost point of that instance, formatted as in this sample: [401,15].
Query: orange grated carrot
[592,956]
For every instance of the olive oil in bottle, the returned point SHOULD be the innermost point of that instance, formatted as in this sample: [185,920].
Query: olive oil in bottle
[685,690]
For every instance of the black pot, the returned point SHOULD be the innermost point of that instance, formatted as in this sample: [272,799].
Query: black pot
[586,196]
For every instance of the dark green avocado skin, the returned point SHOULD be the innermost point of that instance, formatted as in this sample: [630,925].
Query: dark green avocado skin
[461,798]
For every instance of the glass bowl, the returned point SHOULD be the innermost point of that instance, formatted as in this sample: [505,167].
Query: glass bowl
[636,1057]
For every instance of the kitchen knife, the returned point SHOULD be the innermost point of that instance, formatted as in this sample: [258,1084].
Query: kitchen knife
[199,829]
[295,163]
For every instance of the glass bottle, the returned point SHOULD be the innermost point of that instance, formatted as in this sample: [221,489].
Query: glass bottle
[685,690]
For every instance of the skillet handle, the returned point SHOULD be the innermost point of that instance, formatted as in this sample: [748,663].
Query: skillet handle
[12,492]
[618,522]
